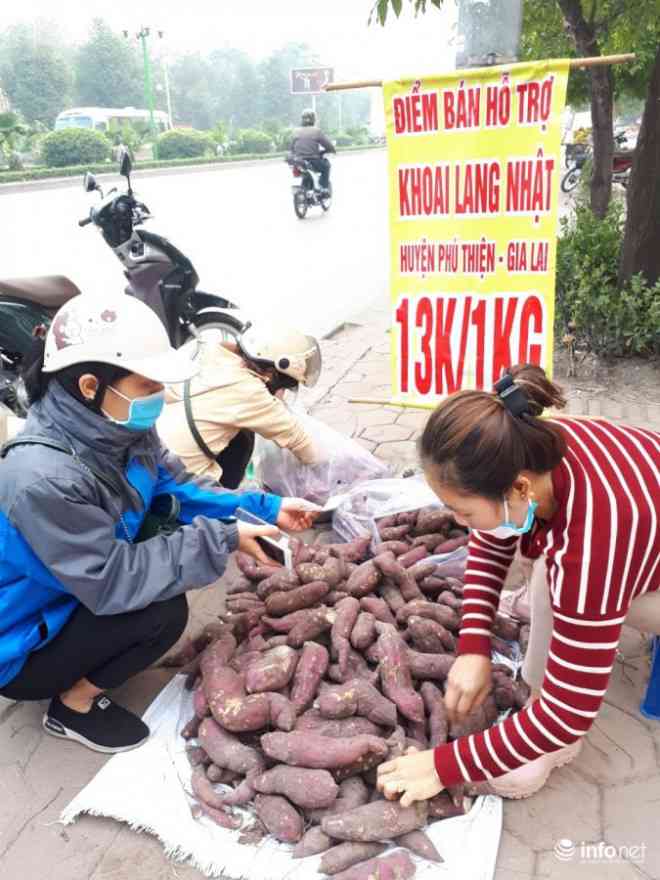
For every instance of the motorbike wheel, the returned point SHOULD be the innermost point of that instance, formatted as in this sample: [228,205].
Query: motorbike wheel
[15,398]
[326,201]
[570,180]
[218,327]
[300,205]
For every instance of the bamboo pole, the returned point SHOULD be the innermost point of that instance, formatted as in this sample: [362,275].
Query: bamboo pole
[382,402]
[591,61]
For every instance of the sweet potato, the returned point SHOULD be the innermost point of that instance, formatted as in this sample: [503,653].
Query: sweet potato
[279,604]
[413,557]
[203,789]
[392,595]
[395,674]
[217,774]
[225,820]
[308,572]
[480,719]
[277,641]
[339,728]
[196,756]
[379,608]
[438,722]
[189,730]
[429,666]
[428,542]
[272,671]
[311,668]
[236,711]
[240,662]
[386,522]
[347,612]
[423,569]
[451,544]
[380,820]
[363,580]
[396,547]
[335,596]
[361,767]
[311,789]
[394,570]
[363,633]
[200,703]
[240,585]
[432,584]
[347,854]
[356,668]
[393,533]
[505,628]
[311,623]
[281,581]
[280,817]
[416,731]
[452,601]
[353,792]
[314,841]
[354,551]
[252,570]
[523,637]
[335,570]
[357,697]
[227,751]
[307,749]
[432,519]
[442,806]
[420,843]
[429,636]
[440,613]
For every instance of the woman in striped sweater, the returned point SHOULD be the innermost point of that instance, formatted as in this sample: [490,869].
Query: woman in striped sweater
[582,497]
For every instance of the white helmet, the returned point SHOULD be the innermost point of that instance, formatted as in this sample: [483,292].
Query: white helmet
[121,331]
[290,352]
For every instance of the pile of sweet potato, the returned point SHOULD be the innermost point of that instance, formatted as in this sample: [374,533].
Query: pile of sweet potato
[316,676]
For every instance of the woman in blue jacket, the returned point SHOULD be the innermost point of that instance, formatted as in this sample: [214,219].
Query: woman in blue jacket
[83,605]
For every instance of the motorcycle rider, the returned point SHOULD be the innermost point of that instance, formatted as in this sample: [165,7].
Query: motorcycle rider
[308,142]
[86,599]
[237,394]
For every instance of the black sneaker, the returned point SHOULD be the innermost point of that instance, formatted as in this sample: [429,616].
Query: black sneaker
[107,727]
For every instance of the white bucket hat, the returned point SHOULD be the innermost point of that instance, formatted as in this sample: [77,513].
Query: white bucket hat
[121,331]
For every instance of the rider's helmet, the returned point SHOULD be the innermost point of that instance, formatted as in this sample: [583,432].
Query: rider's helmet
[116,330]
[289,352]
[308,117]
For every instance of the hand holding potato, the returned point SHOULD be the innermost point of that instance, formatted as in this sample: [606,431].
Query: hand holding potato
[468,685]
[413,776]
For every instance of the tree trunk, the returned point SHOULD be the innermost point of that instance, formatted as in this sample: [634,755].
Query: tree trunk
[602,101]
[641,249]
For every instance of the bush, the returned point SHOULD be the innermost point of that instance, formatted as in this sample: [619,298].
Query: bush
[249,140]
[608,322]
[183,144]
[74,146]
[343,140]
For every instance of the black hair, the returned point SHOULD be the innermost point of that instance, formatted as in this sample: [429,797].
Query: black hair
[37,382]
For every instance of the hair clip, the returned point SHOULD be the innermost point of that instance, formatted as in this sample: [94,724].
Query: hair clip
[512,396]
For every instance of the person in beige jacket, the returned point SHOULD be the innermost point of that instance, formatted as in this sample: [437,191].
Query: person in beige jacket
[237,394]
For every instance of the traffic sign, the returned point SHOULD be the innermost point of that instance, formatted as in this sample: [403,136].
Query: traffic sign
[310,80]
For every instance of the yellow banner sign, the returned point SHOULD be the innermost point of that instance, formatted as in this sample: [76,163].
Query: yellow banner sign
[474,190]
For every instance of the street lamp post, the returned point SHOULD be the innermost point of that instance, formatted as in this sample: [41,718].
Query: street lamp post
[142,36]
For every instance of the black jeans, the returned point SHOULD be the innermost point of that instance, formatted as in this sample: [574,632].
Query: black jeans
[322,165]
[107,650]
[235,458]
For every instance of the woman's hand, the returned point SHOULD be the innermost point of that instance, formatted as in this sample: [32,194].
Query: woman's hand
[247,535]
[296,514]
[413,776]
[468,685]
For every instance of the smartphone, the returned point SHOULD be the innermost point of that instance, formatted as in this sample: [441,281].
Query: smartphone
[276,548]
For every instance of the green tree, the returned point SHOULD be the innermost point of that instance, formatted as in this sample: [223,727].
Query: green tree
[11,129]
[35,71]
[108,72]
[192,91]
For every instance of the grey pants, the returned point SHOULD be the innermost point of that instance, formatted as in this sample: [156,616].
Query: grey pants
[643,615]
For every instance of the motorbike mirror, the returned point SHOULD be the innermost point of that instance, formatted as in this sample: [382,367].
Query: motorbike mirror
[89,182]
[125,164]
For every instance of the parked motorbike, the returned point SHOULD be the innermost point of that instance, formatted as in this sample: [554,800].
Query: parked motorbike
[307,191]
[577,155]
[27,306]
[158,273]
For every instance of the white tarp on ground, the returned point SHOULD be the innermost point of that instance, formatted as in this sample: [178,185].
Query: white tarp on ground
[145,788]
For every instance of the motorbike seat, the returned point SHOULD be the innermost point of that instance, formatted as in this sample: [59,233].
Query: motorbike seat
[50,291]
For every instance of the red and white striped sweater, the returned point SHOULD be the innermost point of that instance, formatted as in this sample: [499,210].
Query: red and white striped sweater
[602,550]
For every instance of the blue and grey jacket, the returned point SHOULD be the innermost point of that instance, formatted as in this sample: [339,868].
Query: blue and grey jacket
[64,534]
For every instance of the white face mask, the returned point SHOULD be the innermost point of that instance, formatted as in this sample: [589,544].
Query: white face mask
[508,528]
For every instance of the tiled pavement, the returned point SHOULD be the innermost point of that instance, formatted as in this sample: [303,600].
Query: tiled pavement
[611,793]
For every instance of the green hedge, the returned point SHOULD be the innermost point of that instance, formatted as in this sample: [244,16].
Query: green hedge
[42,173]
[183,144]
[74,146]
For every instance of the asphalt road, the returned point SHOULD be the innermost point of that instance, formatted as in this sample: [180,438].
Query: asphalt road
[238,227]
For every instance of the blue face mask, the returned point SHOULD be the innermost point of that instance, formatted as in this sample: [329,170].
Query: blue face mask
[508,528]
[143,412]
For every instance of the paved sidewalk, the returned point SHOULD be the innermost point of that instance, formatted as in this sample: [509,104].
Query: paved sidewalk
[610,793]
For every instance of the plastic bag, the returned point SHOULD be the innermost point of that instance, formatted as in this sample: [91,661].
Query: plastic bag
[450,564]
[356,515]
[347,463]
